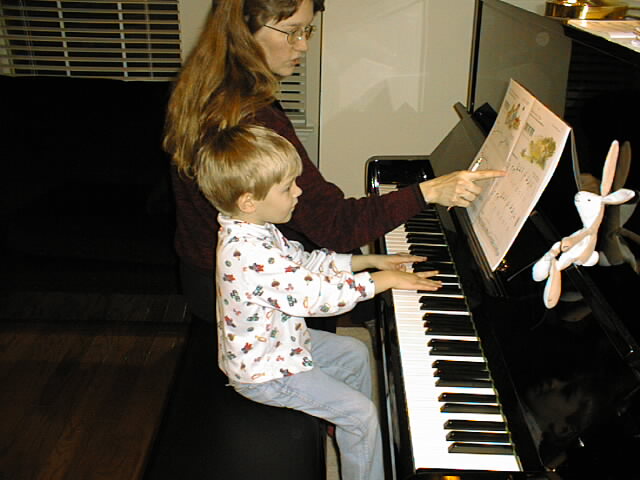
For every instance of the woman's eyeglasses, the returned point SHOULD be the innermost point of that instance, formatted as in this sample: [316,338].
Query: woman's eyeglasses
[297,35]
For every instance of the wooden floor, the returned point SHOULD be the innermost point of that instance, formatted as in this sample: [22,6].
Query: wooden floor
[98,307]
[84,386]
[87,380]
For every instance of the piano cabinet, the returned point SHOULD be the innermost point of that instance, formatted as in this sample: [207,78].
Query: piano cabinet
[564,382]
[484,382]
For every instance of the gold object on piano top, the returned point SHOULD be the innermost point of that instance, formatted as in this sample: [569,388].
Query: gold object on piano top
[586,9]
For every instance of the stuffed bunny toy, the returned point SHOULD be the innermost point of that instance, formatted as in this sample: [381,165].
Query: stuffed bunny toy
[579,248]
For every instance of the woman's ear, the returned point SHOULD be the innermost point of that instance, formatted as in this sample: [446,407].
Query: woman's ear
[246,203]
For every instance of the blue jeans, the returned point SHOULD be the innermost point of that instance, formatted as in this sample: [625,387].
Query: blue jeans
[338,390]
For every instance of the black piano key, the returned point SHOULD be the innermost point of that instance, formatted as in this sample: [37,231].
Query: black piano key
[435,302]
[424,228]
[454,325]
[427,213]
[437,297]
[481,448]
[428,239]
[444,328]
[442,267]
[462,319]
[441,327]
[461,366]
[478,437]
[463,383]
[467,397]
[418,219]
[433,254]
[454,374]
[435,238]
[422,220]
[453,330]
[428,218]
[454,347]
[470,408]
[444,278]
[477,425]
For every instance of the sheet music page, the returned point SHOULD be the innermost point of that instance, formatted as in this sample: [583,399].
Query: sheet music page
[526,141]
[623,32]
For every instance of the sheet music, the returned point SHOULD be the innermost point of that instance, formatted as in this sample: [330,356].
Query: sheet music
[526,141]
[625,33]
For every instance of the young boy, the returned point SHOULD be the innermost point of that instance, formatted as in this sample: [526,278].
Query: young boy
[266,285]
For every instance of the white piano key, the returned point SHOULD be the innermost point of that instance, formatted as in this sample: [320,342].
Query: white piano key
[426,421]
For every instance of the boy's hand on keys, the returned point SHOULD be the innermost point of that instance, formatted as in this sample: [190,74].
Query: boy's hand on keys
[385,280]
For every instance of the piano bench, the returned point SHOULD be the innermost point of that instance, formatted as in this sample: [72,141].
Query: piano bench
[210,431]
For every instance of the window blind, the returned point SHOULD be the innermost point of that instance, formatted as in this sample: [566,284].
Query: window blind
[293,94]
[129,39]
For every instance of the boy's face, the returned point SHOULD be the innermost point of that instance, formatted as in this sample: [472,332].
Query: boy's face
[278,205]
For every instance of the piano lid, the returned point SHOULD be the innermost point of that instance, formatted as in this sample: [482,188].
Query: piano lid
[458,149]
[579,394]
[576,368]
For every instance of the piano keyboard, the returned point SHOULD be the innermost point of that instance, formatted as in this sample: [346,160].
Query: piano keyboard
[455,420]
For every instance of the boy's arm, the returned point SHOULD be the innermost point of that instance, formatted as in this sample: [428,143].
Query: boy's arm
[321,285]
[318,283]
[384,262]
[405,281]
[319,260]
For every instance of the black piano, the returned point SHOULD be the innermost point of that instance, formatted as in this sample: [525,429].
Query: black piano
[480,380]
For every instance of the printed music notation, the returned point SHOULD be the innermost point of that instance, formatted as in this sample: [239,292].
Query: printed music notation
[526,141]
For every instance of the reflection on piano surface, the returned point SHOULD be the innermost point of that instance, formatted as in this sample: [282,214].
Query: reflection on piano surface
[480,379]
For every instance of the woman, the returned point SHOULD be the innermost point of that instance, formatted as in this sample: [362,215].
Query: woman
[231,76]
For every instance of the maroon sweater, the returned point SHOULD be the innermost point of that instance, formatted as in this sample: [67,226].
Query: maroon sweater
[322,218]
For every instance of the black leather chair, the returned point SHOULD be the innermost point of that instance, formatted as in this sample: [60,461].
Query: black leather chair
[211,432]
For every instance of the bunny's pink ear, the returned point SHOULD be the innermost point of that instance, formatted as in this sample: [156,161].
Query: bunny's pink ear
[609,169]
[553,287]
[623,166]
[619,196]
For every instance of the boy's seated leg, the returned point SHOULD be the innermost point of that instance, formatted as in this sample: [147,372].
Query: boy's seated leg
[337,389]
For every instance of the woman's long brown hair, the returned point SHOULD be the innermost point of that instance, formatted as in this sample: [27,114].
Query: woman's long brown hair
[226,78]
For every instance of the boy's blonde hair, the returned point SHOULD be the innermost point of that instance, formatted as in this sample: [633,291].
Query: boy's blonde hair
[243,159]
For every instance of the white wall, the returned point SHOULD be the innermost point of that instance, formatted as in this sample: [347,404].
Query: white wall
[193,13]
[391,72]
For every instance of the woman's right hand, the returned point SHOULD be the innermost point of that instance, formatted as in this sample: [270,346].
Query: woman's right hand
[456,189]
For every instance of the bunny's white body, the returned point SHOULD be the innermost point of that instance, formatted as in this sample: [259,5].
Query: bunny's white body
[579,248]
